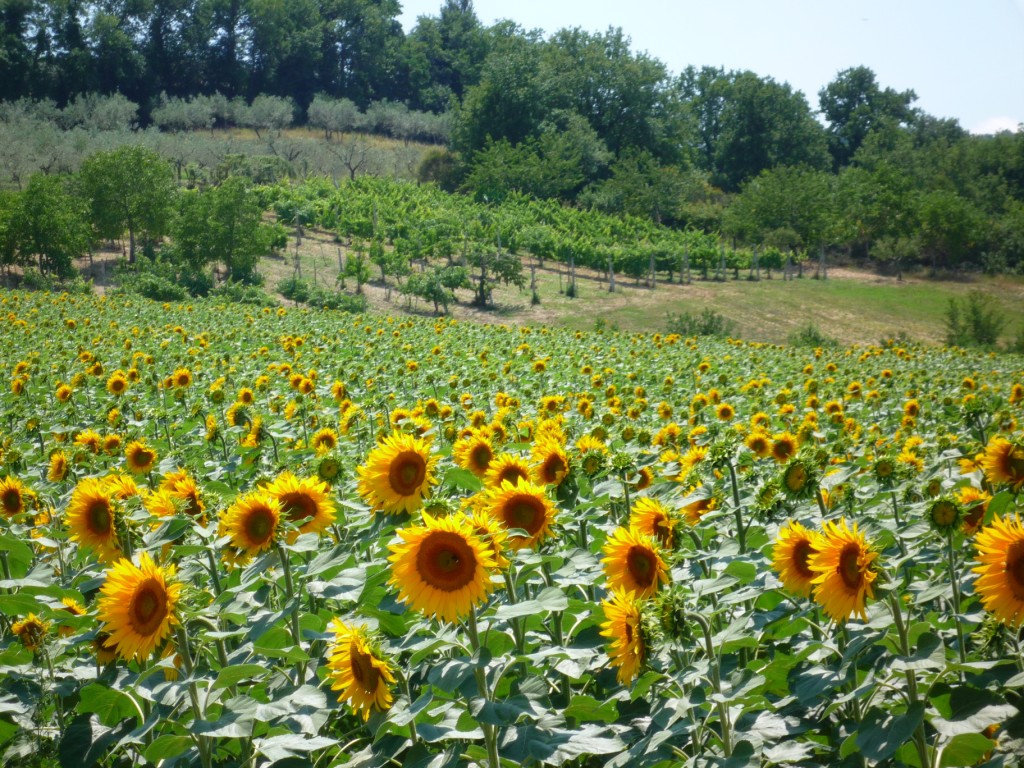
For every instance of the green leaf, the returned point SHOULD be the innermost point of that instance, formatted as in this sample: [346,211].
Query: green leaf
[881,734]
[166,747]
[233,675]
[86,741]
[586,709]
[964,709]
[277,748]
[744,571]
[550,599]
[20,552]
[966,749]
[110,705]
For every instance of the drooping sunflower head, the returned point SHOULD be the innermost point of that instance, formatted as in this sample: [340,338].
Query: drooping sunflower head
[92,518]
[1003,463]
[474,452]
[549,462]
[1000,556]
[974,503]
[139,457]
[632,562]
[652,518]
[524,506]
[506,467]
[137,606]
[623,628]
[441,568]
[13,496]
[304,501]
[253,522]
[844,568]
[358,670]
[791,555]
[398,474]
[58,467]
[31,631]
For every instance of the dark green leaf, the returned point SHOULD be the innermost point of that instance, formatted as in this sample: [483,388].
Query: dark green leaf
[966,749]
[881,734]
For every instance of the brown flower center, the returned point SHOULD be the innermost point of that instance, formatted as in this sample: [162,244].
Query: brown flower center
[259,525]
[480,457]
[363,670]
[1015,568]
[407,473]
[553,469]
[640,562]
[511,474]
[801,556]
[796,478]
[445,561]
[148,607]
[98,517]
[849,569]
[526,512]
[12,501]
[298,506]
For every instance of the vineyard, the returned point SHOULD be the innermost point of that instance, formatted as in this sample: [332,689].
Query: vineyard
[243,536]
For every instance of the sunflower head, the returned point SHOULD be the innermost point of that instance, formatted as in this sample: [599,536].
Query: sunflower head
[139,457]
[506,467]
[623,629]
[305,502]
[137,606]
[474,452]
[14,496]
[799,479]
[442,568]
[1003,463]
[944,514]
[633,563]
[1000,555]
[323,441]
[845,571]
[31,631]
[253,522]
[974,503]
[652,518]
[93,517]
[358,670]
[791,556]
[398,474]
[524,506]
[550,462]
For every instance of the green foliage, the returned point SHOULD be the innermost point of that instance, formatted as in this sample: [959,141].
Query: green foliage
[972,322]
[810,335]
[304,292]
[294,289]
[45,226]
[241,293]
[707,323]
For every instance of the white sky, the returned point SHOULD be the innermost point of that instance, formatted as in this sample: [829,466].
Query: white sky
[963,58]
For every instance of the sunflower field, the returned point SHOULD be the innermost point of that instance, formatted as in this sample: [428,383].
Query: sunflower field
[248,537]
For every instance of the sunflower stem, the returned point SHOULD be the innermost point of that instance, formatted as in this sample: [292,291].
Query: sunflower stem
[901,628]
[517,627]
[193,693]
[954,582]
[821,503]
[741,532]
[716,681]
[490,731]
[294,613]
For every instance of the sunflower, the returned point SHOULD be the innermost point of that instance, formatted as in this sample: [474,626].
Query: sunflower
[121,487]
[525,506]
[627,649]
[944,514]
[358,670]
[644,478]
[974,502]
[1000,554]
[31,631]
[136,606]
[633,563]
[72,608]
[441,567]
[182,378]
[328,468]
[491,533]
[398,474]
[506,467]
[784,447]
[306,499]
[791,555]
[474,452]
[64,393]
[252,522]
[180,485]
[844,572]
[759,442]
[92,518]
[140,457]
[323,441]
[549,461]
[13,496]
[799,479]
[117,384]
[652,518]
[697,503]
[1003,463]
[89,439]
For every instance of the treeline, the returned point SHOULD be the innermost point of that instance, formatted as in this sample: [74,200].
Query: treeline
[575,116]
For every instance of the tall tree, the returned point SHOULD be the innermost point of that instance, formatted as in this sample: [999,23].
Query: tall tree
[445,55]
[854,105]
[128,189]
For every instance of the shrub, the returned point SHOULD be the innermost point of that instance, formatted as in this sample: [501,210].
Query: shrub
[810,336]
[240,293]
[969,323]
[707,323]
[343,302]
[295,289]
